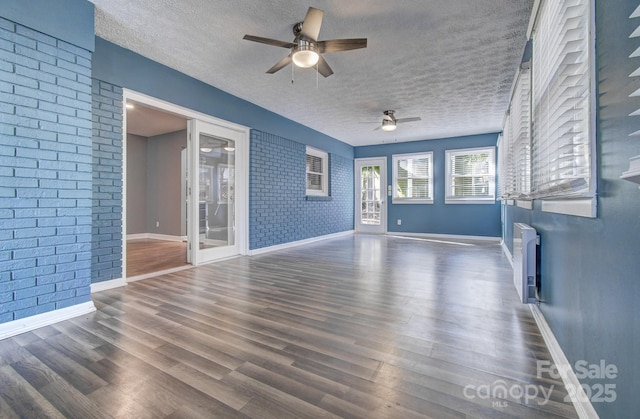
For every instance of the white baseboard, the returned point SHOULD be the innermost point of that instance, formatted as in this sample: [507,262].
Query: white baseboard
[107,285]
[298,243]
[155,236]
[152,274]
[444,236]
[507,252]
[580,401]
[27,324]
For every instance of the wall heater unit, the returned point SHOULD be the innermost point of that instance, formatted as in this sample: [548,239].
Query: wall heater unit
[525,240]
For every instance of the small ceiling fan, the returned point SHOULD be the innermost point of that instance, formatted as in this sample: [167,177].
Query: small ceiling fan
[390,122]
[305,49]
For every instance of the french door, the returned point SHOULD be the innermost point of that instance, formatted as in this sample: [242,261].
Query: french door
[217,191]
[371,188]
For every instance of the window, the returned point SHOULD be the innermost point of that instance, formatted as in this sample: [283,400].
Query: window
[636,72]
[317,172]
[470,176]
[562,146]
[514,148]
[413,178]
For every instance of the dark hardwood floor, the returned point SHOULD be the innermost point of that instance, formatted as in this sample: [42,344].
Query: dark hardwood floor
[355,327]
[145,256]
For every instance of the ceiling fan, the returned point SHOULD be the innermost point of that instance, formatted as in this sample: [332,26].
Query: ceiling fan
[390,122]
[305,49]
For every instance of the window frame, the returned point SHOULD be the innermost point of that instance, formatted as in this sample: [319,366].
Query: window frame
[395,158]
[566,198]
[324,175]
[451,199]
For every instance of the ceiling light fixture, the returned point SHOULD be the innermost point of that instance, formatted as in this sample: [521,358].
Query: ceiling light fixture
[206,149]
[388,125]
[305,54]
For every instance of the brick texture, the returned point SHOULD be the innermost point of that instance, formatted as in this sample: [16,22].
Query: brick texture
[279,211]
[45,173]
[106,217]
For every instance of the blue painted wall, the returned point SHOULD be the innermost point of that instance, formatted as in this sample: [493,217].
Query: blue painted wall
[438,218]
[67,20]
[125,68]
[106,214]
[45,167]
[279,211]
[590,268]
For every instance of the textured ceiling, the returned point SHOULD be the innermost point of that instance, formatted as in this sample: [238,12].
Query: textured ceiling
[450,62]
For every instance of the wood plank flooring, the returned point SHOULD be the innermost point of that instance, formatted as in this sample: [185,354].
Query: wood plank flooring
[146,256]
[355,327]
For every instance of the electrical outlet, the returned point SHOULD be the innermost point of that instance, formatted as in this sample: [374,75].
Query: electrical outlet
[157,223]
[399,222]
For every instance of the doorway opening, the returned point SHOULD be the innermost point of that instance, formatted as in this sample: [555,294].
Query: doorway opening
[156,235]
[173,220]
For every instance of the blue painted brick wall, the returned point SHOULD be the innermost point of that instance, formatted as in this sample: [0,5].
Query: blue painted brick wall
[278,209]
[106,255]
[45,173]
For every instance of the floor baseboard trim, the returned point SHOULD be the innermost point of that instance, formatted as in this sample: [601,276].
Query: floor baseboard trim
[297,243]
[107,285]
[155,236]
[154,274]
[580,401]
[434,236]
[27,324]
[507,252]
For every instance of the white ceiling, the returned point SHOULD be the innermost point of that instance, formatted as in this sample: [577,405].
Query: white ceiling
[450,62]
[149,122]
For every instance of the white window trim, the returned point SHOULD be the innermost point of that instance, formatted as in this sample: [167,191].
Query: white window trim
[400,200]
[324,156]
[492,184]
[585,206]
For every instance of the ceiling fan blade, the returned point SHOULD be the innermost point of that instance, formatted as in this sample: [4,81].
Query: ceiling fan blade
[335,45]
[268,41]
[323,67]
[280,64]
[416,118]
[311,24]
[377,128]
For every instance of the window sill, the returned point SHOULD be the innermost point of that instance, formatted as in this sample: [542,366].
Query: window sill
[411,201]
[585,207]
[470,201]
[524,204]
[317,198]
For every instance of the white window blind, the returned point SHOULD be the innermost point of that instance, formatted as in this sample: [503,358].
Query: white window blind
[636,73]
[561,138]
[470,175]
[504,163]
[317,172]
[413,178]
[520,135]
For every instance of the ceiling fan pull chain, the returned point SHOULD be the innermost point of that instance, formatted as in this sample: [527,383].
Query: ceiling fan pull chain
[317,74]
[292,73]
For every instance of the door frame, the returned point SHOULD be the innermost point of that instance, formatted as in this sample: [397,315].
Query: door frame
[357,164]
[128,94]
[241,188]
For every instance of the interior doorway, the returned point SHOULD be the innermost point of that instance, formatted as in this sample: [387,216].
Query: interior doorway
[156,143]
[162,198]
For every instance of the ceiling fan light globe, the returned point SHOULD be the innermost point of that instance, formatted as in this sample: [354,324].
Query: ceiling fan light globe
[388,125]
[305,59]
[305,54]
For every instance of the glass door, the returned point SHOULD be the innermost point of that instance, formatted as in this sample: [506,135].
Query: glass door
[216,207]
[371,187]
